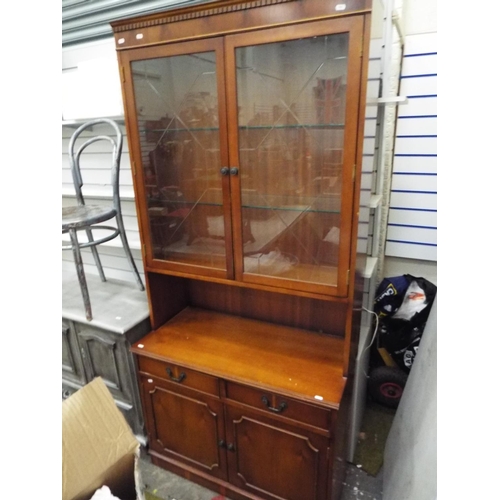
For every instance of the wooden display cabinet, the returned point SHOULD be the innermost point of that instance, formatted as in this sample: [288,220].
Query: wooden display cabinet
[245,123]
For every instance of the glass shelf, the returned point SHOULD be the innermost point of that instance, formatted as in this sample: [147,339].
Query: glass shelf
[319,126]
[316,126]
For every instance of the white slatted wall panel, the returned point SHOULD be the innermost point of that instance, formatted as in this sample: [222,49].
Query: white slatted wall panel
[412,225]
[369,164]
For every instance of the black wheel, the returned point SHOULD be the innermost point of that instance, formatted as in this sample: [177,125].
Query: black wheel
[386,385]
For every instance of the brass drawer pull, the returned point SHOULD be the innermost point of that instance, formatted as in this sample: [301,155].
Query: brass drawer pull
[280,408]
[179,379]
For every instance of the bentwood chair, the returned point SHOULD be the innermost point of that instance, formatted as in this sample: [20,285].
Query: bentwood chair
[88,218]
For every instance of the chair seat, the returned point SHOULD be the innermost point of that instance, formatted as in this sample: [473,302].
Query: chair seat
[81,216]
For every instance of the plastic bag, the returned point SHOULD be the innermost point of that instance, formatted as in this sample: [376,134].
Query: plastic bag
[403,304]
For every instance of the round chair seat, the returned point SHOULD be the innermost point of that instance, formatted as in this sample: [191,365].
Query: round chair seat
[86,215]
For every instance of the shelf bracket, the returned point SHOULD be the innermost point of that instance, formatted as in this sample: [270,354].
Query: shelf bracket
[385,101]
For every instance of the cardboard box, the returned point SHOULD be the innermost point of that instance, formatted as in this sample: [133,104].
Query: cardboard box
[98,446]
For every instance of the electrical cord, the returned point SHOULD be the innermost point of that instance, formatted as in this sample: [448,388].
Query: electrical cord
[373,336]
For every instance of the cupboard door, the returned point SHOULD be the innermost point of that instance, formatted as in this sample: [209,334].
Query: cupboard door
[179,118]
[273,460]
[185,426]
[72,365]
[293,115]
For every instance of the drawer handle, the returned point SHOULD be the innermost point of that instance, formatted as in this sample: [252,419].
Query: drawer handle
[179,379]
[280,408]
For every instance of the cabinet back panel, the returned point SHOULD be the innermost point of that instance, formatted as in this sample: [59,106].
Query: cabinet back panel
[300,312]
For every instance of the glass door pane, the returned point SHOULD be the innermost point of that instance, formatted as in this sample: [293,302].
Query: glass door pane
[177,110]
[291,98]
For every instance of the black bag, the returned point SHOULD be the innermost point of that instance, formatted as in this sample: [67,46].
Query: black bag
[403,304]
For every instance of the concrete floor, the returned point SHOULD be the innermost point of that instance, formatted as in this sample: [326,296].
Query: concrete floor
[167,486]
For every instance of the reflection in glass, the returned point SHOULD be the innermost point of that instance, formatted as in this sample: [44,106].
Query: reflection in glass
[176,102]
[291,112]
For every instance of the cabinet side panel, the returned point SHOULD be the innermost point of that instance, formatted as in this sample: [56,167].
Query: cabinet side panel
[339,459]
[167,297]
[299,312]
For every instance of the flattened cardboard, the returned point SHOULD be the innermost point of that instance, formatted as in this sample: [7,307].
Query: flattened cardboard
[98,446]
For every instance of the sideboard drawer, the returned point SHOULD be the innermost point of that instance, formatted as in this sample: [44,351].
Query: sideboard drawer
[180,375]
[280,405]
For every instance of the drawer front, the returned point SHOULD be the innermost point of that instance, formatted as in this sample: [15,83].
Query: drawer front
[179,375]
[280,405]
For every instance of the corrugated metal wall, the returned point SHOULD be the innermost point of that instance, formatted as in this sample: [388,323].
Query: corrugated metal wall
[88,20]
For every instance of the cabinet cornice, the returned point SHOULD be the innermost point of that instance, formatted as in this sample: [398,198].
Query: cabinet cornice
[194,13]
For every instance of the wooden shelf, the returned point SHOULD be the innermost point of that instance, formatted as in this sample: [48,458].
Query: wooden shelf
[299,363]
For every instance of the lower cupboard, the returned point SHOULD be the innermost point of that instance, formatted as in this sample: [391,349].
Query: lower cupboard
[249,409]
[269,452]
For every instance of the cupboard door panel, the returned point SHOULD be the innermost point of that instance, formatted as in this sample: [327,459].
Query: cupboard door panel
[186,428]
[273,460]
[72,367]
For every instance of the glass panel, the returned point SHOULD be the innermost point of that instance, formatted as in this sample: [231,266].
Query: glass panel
[291,104]
[176,102]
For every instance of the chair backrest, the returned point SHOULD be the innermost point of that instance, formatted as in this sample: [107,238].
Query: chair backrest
[75,153]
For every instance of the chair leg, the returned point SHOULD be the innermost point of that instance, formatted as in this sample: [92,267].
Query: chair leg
[81,274]
[97,259]
[128,253]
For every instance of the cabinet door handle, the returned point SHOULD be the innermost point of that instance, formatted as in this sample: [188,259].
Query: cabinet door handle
[231,447]
[224,170]
[280,408]
[179,379]
[234,171]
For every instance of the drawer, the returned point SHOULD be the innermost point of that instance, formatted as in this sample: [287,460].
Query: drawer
[179,375]
[280,405]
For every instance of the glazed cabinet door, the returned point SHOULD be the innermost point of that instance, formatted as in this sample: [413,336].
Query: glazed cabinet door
[175,105]
[274,460]
[293,103]
[185,426]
